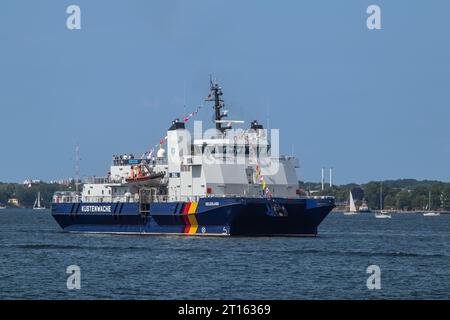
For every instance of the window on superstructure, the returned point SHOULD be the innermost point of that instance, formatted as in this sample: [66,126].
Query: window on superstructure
[185,168]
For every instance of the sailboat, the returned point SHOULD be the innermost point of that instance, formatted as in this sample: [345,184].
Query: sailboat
[383,214]
[430,213]
[352,210]
[37,203]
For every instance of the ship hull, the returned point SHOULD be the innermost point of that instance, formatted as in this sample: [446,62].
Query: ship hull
[209,216]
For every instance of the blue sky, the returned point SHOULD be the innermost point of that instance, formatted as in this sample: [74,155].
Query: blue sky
[372,104]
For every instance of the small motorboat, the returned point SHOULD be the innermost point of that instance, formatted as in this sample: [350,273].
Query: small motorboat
[383,215]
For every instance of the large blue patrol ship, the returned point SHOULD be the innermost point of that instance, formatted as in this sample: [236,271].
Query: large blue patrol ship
[223,182]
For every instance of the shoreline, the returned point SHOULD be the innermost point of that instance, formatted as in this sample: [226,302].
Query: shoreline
[341,210]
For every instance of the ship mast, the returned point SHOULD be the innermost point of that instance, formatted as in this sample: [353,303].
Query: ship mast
[215,94]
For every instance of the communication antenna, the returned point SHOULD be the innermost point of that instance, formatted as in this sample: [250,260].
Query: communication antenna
[331,177]
[77,167]
[323,177]
[184,99]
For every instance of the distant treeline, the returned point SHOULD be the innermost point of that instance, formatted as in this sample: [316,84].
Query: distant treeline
[404,194]
[26,194]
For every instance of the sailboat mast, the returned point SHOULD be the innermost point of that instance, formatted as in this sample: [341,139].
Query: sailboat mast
[381,196]
[429,200]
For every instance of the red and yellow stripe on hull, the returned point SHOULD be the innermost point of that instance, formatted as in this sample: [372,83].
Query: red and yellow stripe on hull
[189,218]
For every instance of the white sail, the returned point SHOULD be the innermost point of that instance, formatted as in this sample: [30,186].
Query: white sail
[430,213]
[37,203]
[352,203]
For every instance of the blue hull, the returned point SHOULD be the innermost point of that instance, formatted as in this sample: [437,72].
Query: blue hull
[210,216]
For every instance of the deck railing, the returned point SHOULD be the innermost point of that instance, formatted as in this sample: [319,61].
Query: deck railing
[72,197]
[103,180]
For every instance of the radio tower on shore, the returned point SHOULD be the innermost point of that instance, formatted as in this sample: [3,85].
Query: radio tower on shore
[77,168]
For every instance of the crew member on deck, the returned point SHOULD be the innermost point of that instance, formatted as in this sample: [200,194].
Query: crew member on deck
[131,172]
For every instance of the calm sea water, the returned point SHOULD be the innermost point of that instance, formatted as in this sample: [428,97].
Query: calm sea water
[412,251]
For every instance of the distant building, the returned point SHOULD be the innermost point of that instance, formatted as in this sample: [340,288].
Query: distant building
[14,202]
[32,181]
[65,182]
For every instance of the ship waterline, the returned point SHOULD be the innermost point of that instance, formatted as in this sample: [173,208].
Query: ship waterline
[229,216]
